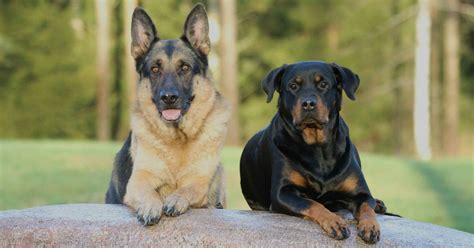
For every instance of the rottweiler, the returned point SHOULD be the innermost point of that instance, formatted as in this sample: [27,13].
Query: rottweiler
[304,163]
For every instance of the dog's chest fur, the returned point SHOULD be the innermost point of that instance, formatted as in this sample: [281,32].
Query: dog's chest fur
[170,152]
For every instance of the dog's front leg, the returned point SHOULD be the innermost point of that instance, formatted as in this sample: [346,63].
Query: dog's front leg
[142,197]
[288,200]
[194,194]
[193,187]
[141,194]
[368,227]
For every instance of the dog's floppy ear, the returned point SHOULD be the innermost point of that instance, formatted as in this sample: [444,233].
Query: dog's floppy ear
[196,29]
[348,80]
[143,33]
[272,81]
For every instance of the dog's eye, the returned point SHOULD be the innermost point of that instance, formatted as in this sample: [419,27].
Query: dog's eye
[155,69]
[185,67]
[323,85]
[293,86]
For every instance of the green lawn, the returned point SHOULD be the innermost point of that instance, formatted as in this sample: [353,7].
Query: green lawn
[34,173]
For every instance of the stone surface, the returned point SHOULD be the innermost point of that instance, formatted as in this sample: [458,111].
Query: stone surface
[92,225]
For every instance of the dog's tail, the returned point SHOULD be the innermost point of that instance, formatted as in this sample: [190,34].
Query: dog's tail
[380,208]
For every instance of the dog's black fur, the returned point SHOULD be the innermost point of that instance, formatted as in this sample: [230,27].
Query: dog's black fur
[305,155]
[122,170]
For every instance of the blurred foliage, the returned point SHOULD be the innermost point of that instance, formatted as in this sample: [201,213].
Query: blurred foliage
[47,62]
[47,79]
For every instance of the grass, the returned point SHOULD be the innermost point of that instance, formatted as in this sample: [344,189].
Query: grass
[34,173]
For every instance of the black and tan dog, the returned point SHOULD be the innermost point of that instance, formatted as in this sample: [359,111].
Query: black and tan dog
[304,163]
[170,161]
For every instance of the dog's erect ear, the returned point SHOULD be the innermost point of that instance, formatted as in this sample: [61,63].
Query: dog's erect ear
[272,81]
[348,80]
[196,30]
[143,33]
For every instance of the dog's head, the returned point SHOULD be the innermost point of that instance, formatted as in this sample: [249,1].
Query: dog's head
[310,95]
[169,67]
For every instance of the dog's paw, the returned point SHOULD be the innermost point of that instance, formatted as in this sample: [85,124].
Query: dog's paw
[335,226]
[149,213]
[175,205]
[369,230]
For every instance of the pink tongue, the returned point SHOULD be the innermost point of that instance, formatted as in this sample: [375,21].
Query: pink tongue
[171,114]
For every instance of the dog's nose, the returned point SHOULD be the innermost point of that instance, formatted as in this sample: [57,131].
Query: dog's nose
[309,105]
[169,96]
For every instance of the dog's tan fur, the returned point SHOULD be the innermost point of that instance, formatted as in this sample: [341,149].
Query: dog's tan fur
[178,164]
[311,135]
[349,184]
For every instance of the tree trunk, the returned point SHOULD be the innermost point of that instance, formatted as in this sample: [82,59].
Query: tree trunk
[451,78]
[214,58]
[398,107]
[421,113]
[332,33]
[77,23]
[103,109]
[229,80]
[436,96]
[131,76]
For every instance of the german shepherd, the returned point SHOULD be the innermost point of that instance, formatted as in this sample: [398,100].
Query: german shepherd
[171,159]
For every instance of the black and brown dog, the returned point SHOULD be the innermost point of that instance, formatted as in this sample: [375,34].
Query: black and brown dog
[170,162]
[304,163]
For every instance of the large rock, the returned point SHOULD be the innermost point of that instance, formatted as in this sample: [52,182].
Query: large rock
[92,225]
